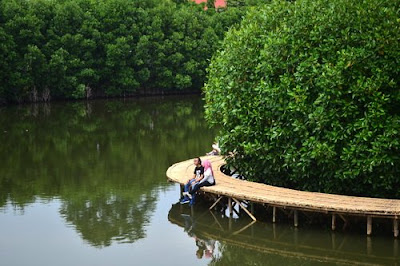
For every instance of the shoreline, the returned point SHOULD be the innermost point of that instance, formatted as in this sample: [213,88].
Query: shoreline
[103,97]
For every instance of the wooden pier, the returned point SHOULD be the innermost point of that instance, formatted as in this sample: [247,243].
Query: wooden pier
[338,206]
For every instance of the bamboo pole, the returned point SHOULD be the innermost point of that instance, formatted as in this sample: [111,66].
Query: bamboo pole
[215,203]
[274,214]
[395,227]
[343,218]
[296,218]
[230,207]
[243,208]
[333,222]
[369,225]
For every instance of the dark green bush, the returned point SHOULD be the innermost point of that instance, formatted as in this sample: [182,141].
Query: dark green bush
[84,48]
[307,96]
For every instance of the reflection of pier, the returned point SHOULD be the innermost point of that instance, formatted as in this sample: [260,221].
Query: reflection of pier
[338,206]
[287,242]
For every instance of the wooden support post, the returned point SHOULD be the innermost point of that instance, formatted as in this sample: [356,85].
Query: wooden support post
[215,203]
[333,222]
[344,220]
[395,227]
[296,218]
[246,211]
[252,207]
[230,206]
[369,225]
[274,214]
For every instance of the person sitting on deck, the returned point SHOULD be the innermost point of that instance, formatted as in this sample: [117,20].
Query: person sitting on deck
[205,181]
[198,174]
[216,150]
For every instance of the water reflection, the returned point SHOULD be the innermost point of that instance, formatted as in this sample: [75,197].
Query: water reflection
[241,240]
[105,160]
[205,246]
[103,220]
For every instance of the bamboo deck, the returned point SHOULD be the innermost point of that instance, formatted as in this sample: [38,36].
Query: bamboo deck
[279,197]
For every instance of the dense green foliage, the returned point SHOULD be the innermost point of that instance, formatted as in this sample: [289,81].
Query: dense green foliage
[83,48]
[307,95]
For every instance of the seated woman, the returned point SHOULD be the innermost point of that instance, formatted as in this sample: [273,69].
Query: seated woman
[216,150]
[205,181]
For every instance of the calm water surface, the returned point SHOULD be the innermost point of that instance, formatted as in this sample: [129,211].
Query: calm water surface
[84,184]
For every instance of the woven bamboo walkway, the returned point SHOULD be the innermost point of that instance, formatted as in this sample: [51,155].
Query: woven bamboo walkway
[278,197]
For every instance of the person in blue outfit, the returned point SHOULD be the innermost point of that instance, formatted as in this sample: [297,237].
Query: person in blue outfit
[198,175]
[203,180]
[206,181]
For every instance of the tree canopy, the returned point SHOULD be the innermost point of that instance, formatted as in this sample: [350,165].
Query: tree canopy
[85,48]
[307,96]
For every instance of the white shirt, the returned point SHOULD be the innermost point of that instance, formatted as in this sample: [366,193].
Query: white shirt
[208,176]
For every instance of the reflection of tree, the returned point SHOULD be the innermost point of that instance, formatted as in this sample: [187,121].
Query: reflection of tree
[103,219]
[100,157]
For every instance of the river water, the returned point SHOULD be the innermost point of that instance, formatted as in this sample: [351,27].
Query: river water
[84,183]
